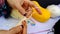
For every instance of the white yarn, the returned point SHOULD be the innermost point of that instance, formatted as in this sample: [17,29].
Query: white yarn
[55,10]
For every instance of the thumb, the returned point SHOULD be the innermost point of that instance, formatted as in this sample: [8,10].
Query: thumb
[15,30]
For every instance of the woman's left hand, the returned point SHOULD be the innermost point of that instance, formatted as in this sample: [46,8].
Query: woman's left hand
[24,6]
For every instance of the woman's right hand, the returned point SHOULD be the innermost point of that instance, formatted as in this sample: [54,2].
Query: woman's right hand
[16,30]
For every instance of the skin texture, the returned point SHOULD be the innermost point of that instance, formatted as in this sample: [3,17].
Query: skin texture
[16,30]
[24,7]
[17,4]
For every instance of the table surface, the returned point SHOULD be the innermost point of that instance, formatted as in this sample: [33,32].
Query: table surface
[39,27]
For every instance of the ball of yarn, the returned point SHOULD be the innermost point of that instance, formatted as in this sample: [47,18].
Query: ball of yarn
[55,10]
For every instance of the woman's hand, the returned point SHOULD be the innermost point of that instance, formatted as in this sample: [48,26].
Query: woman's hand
[24,6]
[16,30]
[31,4]
[16,4]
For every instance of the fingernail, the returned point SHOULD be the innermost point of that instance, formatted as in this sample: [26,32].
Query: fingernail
[25,14]
[22,26]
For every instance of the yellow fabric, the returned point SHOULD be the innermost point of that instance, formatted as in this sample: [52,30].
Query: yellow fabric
[15,14]
[45,14]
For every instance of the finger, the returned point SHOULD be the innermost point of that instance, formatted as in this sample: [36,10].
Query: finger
[29,12]
[16,29]
[17,5]
[24,31]
[25,27]
[25,5]
[21,9]
[24,24]
[33,5]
